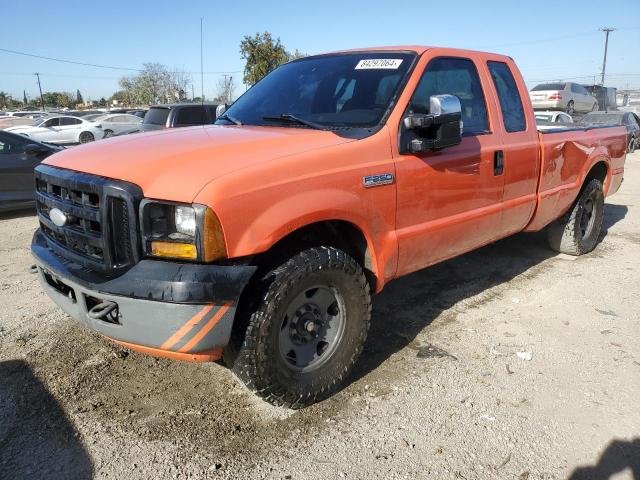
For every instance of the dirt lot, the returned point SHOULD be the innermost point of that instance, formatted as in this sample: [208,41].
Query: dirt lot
[509,362]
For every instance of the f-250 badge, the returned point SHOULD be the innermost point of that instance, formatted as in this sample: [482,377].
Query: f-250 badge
[377,180]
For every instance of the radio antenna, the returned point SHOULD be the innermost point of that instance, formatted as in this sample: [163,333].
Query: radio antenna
[201,76]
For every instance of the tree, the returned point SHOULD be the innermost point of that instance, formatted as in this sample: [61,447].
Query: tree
[295,55]
[262,55]
[155,83]
[79,97]
[24,98]
[226,87]
[102,102]
[4,99]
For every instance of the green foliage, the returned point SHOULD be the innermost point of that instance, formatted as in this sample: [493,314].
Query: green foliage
[79,97]
[154,84]
[262,54]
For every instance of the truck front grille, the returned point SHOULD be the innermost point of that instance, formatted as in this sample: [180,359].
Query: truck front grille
[101,228]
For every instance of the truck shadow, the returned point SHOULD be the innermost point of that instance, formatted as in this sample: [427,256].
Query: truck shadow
[23,212]
[619,455]
[36,438]
[409,304]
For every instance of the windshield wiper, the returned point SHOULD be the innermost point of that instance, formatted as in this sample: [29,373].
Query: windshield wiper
[233,120]
[288,118]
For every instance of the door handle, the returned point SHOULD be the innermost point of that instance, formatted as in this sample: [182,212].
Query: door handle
[498,162]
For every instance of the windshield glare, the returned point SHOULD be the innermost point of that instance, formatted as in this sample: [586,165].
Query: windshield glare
[343,90]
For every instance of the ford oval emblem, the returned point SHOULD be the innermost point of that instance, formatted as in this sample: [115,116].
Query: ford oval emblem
[58,217]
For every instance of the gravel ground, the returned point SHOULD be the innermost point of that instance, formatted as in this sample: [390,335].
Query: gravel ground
[508,362]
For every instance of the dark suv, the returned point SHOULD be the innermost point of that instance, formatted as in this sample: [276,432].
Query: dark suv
[178,115]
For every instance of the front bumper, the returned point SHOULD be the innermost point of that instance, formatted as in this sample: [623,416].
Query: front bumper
[176,310]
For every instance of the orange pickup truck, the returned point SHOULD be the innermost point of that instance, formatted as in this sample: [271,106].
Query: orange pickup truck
[260,239]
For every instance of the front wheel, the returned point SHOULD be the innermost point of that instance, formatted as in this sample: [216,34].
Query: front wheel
[307,330]
[86,137]
[577,231]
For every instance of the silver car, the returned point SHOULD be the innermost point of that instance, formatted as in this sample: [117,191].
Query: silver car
[566,96]
[116,123]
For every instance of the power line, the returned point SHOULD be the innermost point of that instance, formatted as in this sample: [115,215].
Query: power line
[95,65]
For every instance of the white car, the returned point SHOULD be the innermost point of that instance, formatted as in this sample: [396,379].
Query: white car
[546,118]
[117,123]
[566,96]
[61,129]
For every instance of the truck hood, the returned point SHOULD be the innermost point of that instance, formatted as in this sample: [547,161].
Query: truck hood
[175,164]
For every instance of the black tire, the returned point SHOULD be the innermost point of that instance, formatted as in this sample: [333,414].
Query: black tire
[633,144]
[577,231]
[570,109]
[108,133]
[86,137]
[260,363]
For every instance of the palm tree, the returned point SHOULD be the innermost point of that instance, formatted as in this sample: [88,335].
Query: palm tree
[4,99]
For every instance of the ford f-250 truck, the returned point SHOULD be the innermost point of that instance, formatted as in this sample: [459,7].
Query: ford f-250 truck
[261,238]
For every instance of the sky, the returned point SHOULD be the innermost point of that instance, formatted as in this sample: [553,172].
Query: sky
[548,40]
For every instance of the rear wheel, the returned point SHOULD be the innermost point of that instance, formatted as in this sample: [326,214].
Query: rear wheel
[308,329]
[86,137]
[577,231]
[570,108]
[108,133]
[633,144]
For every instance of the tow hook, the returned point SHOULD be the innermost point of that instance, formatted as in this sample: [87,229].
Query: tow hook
[106,311]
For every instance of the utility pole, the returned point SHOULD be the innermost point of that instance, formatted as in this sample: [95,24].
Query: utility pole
[40,87]
[607,31]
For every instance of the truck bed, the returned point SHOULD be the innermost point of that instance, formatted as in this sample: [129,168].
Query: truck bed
[567,154]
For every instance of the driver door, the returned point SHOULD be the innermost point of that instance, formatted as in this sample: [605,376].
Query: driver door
[449,200]
[49,130]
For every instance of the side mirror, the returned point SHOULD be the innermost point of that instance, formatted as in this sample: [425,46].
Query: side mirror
[33,149]
[220,109]
[440,128]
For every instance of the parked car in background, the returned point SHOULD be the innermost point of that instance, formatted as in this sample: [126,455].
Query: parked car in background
[18,157]
[138,113]
[567,96]
[7,122]
[91,117]
[629,120]
[117,123]
[176,115]
[26,113]
[61,129]
[544,118]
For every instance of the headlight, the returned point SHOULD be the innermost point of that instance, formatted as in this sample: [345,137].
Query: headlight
[189,232]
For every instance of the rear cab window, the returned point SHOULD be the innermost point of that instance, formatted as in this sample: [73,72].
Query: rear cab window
[156,116]
[509,97]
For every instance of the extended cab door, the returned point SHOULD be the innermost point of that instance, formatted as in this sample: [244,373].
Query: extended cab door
[449,201]
[520,145]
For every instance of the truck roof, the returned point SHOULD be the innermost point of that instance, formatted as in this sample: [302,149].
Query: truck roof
[419,49]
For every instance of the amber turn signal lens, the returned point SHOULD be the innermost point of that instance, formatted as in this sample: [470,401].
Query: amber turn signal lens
[174,250]
[213,238]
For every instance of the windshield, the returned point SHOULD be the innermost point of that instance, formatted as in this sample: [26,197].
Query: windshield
[544,118]
[548,86]
[37,121]
[342,90]
[156,116]
[603,119]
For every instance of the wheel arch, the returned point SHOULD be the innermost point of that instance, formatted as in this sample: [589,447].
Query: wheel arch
[339,233]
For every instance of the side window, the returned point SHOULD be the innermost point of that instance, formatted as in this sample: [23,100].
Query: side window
[52,122]
[509,96]
[190,116]
[459,77]
[64,121]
